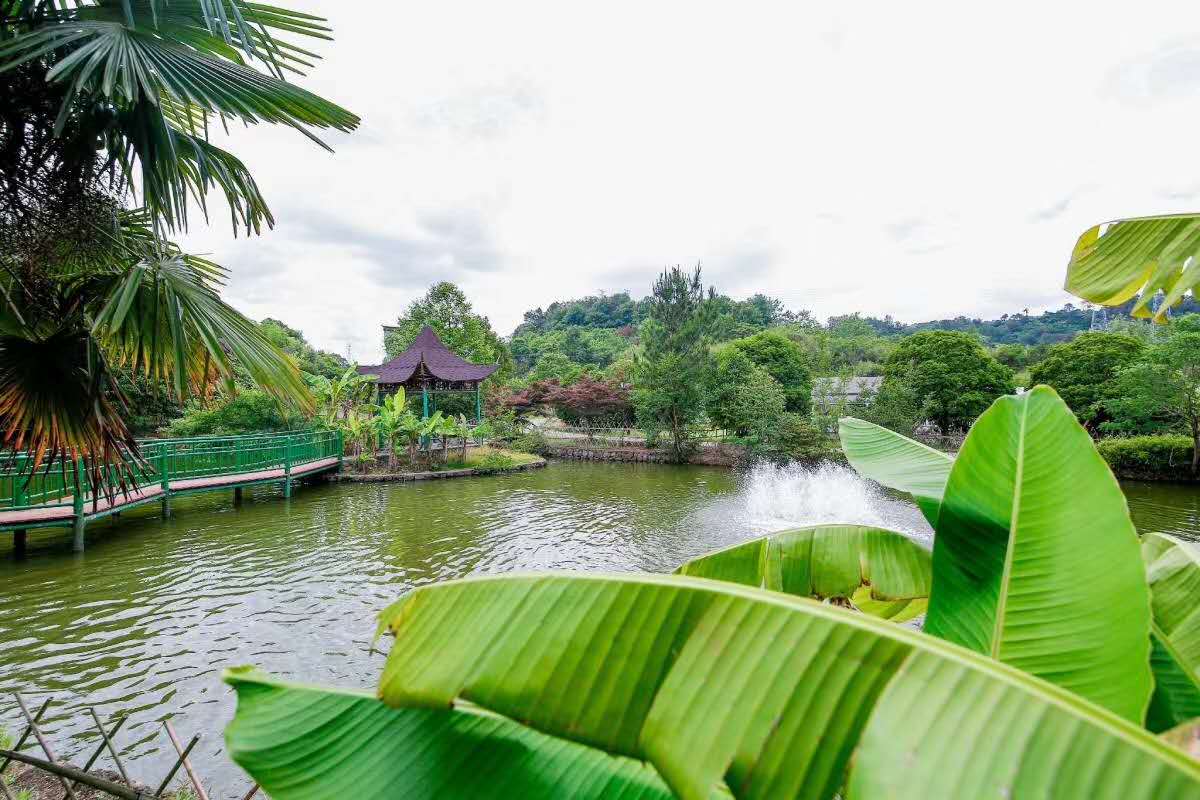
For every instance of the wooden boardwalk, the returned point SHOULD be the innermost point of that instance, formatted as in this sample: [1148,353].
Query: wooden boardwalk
[169,468]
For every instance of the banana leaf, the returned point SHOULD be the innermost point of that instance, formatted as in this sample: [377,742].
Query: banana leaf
[881,572]
[1173,571]
[1036,562]
[302,741]
[897,462]
[719,685]
[1114,262]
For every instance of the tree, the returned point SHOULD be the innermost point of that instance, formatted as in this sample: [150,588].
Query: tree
[733,369]
[99,98]
[759,406]
[786,362]
[1163,386]
[446,309]
[674,362]
[954,378]
[1084,372]
[308,359]
[590,399]
[556,367]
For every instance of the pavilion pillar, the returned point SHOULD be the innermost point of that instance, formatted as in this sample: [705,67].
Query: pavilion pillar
[425,412]
[478,406]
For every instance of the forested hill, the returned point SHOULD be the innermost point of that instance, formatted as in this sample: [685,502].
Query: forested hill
[619,314]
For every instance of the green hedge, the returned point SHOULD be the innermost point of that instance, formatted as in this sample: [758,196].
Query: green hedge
[1150,457]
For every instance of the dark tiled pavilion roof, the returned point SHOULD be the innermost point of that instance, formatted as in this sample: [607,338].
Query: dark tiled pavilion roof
[439,362]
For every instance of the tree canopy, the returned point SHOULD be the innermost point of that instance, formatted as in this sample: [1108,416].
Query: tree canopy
[954,378]
[448,311]
[785,361]
[1084,371]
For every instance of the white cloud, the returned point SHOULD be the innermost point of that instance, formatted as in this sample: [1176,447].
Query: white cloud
[922,160]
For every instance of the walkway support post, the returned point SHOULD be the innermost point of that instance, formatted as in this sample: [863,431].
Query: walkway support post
[20,541]
[287,465]
[425,440]
[164,480]
[80,522]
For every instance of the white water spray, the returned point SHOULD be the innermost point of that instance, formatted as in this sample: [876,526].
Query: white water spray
[780,497]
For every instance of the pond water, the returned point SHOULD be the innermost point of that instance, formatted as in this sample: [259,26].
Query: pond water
[145,619]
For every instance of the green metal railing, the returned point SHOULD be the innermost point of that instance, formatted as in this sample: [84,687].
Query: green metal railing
[163,461]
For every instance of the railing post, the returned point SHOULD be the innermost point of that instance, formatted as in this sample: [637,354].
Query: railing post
[80,522]
[287,466]
[19,486]
[164,479]
[341,447]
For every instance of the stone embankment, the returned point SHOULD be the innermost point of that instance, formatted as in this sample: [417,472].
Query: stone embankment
[717,455]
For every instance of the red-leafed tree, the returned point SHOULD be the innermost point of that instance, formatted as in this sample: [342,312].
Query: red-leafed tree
[532,397]
[591,398]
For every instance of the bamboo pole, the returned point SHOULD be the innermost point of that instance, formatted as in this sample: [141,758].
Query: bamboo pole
[162,787]
[37,733]
[63,772]
[187,765]
[108,737]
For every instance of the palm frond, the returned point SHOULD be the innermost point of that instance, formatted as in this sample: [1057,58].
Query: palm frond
[163,317]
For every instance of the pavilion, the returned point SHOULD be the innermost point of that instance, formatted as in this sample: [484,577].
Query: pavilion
[429,366]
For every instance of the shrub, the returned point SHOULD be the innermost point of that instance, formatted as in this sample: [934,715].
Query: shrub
[493,462]
[1148,456]
[250,411]
[531,442]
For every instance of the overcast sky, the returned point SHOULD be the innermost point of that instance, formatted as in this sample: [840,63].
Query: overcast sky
[915,159]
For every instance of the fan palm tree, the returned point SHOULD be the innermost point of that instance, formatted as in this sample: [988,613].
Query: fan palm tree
[99,98]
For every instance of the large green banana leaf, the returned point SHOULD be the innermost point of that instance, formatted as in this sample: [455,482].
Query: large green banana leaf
[774,695]
[1113,262]
[1036,562]
[310,743]
[897,462]
[830,561]
[1173,571]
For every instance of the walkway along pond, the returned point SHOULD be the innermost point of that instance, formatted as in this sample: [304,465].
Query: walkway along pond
[172,467]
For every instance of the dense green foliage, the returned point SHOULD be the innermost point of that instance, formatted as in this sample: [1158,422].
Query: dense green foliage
[1162,388]
[310,360]
[1162,457]
[670,374]
[785,361]
[1084,372]
[953,376]
[446,309]
[247,411]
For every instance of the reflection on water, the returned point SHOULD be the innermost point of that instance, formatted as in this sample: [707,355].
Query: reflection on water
[1164,507]
[144,620]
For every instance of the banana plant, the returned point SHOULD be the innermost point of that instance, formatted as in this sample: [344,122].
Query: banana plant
[389,423]
[1035,560]
[591,685]
[429,428]
[877,571]
[1173,571]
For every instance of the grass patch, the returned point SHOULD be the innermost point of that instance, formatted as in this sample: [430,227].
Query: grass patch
[491,458]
